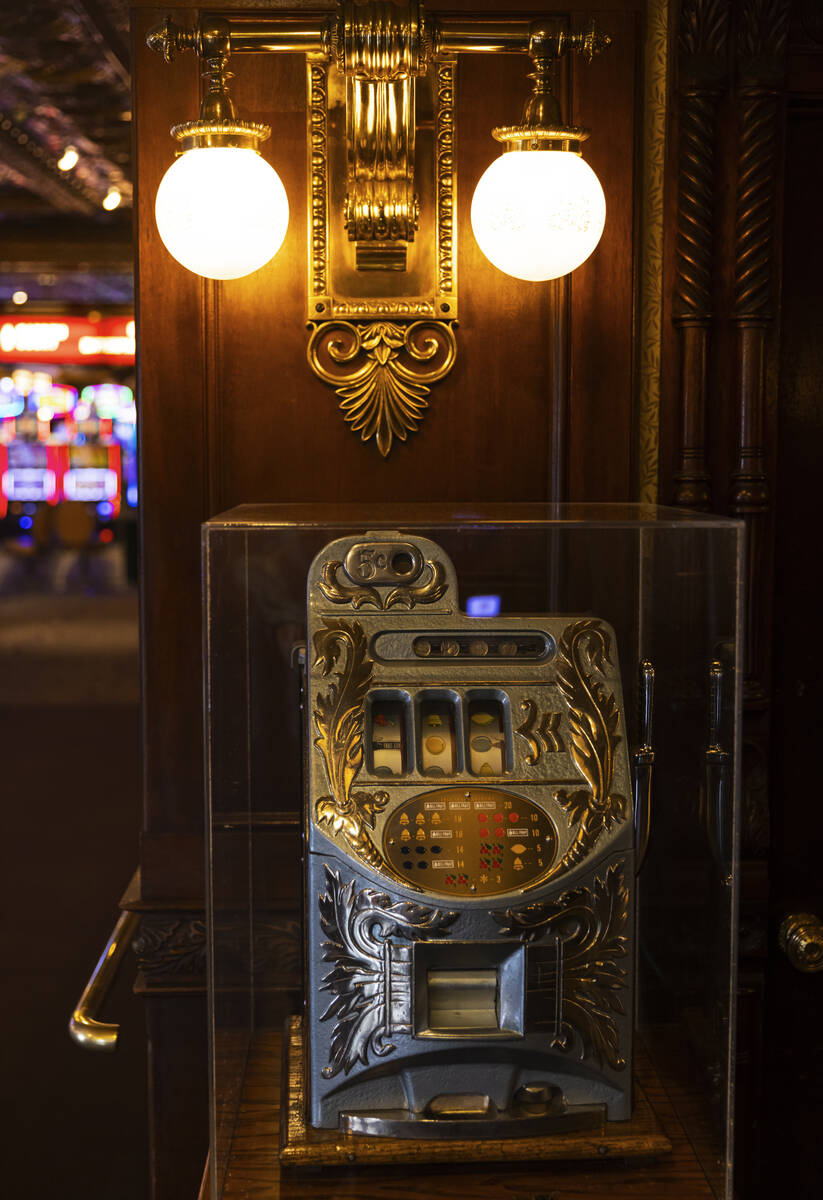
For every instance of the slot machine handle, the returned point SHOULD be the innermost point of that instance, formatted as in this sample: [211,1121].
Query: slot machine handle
[643,759]
[717,775]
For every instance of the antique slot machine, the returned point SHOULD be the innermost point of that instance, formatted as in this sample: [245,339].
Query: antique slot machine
[473,834]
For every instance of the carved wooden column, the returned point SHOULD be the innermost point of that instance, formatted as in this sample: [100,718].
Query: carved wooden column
[761,47]
[702,69]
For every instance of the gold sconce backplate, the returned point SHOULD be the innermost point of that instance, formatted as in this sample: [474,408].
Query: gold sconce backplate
[382,293]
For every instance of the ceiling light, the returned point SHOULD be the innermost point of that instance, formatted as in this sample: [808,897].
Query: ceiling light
[111,199]
[19,297]
[69,160]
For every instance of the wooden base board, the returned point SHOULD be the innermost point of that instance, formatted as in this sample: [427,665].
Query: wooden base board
[640,1137]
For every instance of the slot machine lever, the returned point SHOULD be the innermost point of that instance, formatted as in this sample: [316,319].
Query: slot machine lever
[717,775]
[643,762]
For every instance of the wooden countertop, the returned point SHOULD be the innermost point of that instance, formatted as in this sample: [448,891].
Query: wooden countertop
[255,1173]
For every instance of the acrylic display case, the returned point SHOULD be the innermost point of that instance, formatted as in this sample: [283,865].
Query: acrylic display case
[665,587]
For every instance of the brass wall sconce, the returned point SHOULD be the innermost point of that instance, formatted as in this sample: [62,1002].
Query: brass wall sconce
[382,299]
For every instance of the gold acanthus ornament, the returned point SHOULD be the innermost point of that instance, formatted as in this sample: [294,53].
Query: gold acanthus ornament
[594,719]
[382,372]
[339,715]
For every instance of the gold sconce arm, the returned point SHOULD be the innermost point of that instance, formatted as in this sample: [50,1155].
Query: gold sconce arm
[84,1028]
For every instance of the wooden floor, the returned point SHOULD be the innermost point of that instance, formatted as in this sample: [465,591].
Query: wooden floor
[254,1171]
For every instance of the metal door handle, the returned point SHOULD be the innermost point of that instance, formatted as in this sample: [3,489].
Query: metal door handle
[801,940]
[84,1028]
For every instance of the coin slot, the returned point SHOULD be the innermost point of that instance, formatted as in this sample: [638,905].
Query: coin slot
[388,720]
[437,733]
[403,563]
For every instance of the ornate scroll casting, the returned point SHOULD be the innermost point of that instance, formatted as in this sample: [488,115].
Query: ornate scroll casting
[382,372]
[446,183]
[318,185]
[338,719]
[171,945]
[358,594]
[539,737]
[594,717]
[371,977]
[703,41]
[574,984]
[382,354]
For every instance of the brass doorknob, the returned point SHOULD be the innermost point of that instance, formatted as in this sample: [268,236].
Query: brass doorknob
[801,940]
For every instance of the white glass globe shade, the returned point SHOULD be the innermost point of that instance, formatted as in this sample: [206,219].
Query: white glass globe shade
[221,211]
[538,214]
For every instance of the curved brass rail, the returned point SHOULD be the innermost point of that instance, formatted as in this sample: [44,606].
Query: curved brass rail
[84,1028]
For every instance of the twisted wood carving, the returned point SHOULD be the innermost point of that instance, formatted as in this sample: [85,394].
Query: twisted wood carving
[761,46]
[755,205]
[703,40]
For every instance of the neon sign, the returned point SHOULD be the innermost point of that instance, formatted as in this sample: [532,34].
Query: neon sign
[67,339]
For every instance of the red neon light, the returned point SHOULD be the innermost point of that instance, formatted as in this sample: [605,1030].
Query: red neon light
[58,338]
[57,460]
[115,465]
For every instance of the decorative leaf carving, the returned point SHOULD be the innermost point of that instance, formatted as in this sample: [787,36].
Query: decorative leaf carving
[370,980]
[576,981]
[338,720]
[594,719]
[359,594]
[381,372]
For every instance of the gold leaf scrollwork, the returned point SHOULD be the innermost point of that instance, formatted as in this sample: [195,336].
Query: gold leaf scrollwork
[339,716]
[382,372]
[359,594]
[594,717]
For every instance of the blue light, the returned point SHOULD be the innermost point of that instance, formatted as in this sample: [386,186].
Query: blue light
[26,522]
[483,606]
[25,540]
[80,439]
[31,509]
[104,509]
[131,495]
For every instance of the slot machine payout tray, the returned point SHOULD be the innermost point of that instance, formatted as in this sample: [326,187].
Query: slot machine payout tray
[589,1137]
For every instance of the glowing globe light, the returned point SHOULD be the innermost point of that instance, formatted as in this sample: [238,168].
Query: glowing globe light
[538,214]
[222,211]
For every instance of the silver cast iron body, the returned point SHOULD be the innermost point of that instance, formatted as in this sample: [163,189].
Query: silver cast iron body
[470,856]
